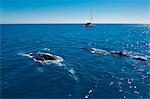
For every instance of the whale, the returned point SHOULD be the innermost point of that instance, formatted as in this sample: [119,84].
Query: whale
[141,58]
[116,53]
[44,58]
[119,53]
[94,50]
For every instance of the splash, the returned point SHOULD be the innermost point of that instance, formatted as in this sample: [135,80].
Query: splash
[90,92]
[46,49]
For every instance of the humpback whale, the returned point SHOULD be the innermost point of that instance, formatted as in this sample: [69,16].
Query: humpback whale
[43,57]
[118,53]
[99,51]
[141,58]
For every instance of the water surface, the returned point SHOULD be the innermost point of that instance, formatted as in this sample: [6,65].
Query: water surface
[99,76]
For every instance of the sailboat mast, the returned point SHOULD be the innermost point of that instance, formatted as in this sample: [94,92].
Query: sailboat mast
[90,16]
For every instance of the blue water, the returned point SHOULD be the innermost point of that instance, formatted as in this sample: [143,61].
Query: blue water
[99,76]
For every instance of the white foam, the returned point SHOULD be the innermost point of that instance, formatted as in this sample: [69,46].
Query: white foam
[86,96]
[130,86]
[92,51]
[124,97]
[134,86]
[120,90]
[129,81]
[90,91]
[136,92]
[111,83]
[46,49]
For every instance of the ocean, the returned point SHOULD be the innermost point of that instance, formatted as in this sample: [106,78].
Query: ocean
[83,74]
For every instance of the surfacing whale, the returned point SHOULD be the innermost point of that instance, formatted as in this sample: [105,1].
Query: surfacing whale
[135,57]
[141,58]
[99,51]
[119,53]
[116,53]
[46,58]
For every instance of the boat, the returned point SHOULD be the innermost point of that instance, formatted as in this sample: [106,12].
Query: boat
[89,24]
